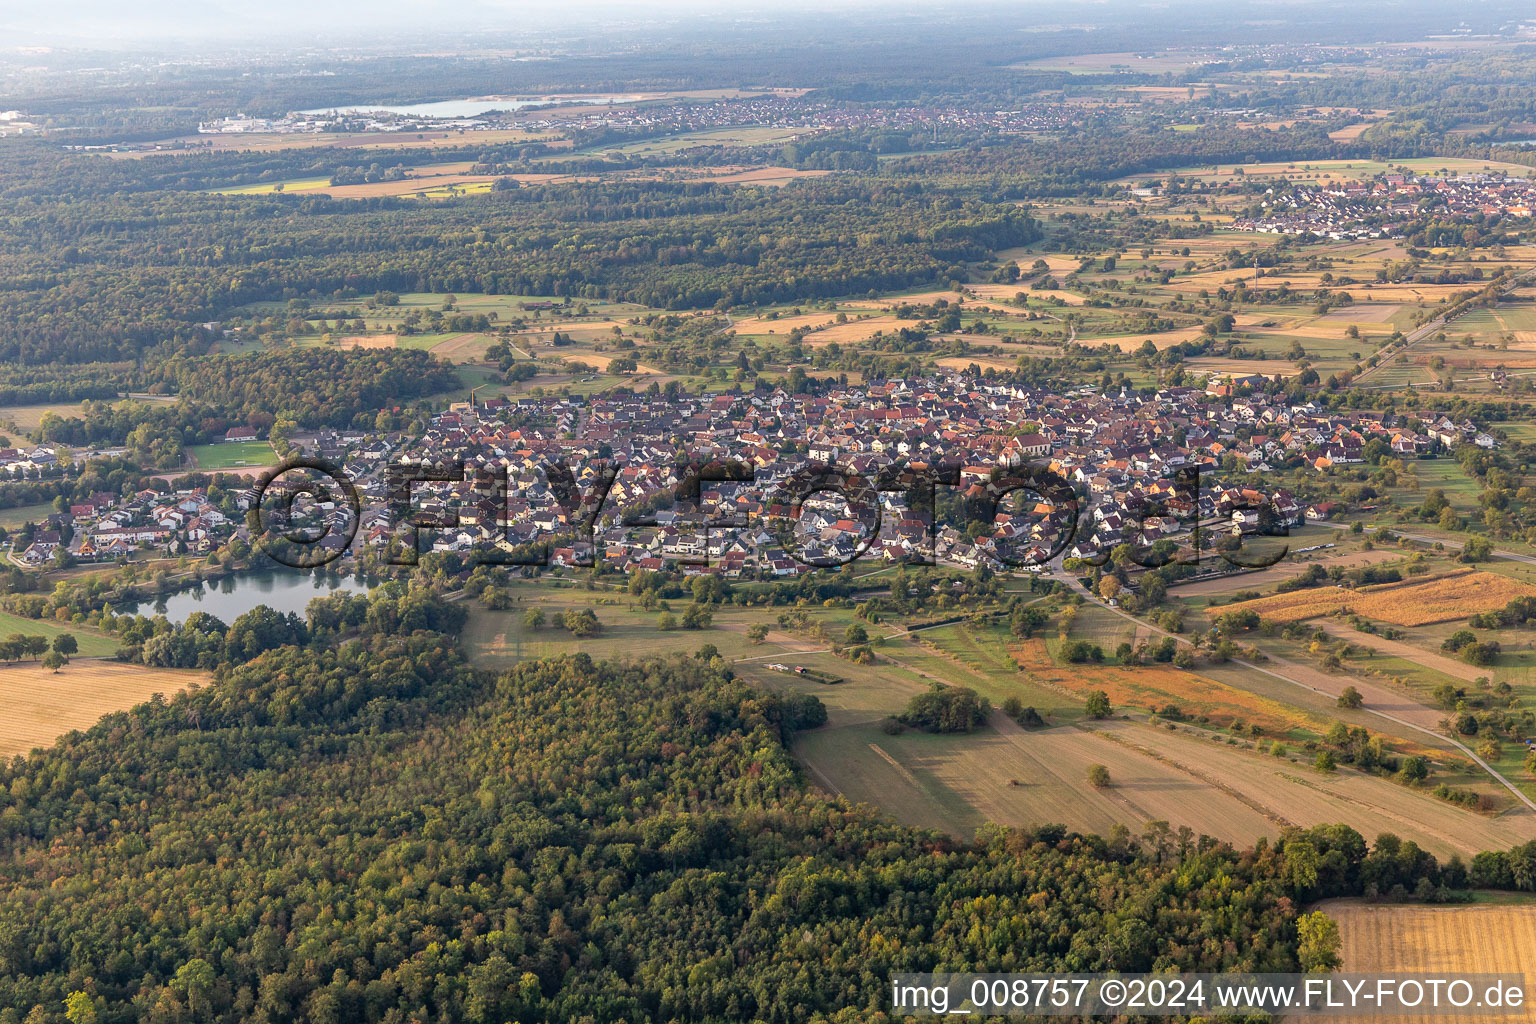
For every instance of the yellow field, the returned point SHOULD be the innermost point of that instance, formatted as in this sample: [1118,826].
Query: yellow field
[1410,603]
[37,706]
[28,417]
[1424,940]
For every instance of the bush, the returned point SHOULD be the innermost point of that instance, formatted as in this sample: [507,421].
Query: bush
[1415,768]
[945,709]
[803,711]
[1481,654]
[1098,776]
[1350,698]
[1079,651]
[1097,704]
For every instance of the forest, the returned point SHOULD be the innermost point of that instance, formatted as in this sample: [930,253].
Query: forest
[351,823]
[145,269]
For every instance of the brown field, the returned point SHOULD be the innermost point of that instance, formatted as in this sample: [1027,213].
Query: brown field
[1004,292]
[1426,940]
[37,706]
[596,360]
[1024,257]
[367,341]
[1410,603]
[764,176]
[1167,339]
[1152,686]
[916,298]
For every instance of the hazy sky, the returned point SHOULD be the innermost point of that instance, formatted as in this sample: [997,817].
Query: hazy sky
[342,21]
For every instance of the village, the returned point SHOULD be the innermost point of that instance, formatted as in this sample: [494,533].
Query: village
[1387,206]
[1127,457]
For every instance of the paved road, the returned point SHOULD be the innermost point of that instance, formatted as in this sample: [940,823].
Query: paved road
[1419,334]
[1519,795]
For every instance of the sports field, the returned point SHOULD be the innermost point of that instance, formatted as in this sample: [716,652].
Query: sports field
[232,454]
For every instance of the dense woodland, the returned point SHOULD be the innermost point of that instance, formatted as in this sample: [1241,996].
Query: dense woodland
[107,277]
[359,827]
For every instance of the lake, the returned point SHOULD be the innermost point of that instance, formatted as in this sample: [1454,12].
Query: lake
[233,596]
[471,107]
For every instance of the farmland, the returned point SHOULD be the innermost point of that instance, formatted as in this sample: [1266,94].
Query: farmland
[1213,769]
[1410,603]
[1494,938]
[1180,774]
[37,705]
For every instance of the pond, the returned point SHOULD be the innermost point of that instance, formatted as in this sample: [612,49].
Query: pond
[233,596]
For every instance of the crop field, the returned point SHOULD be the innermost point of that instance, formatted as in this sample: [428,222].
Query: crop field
[37,706]
[1410,603]
[1423,940]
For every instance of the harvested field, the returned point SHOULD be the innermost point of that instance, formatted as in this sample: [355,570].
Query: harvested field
[853,331]
[1426,940]
[1020,777]
[367,341]
[1363,313]
[463,348]
[1132,342]
[37,706]
[1409,603]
